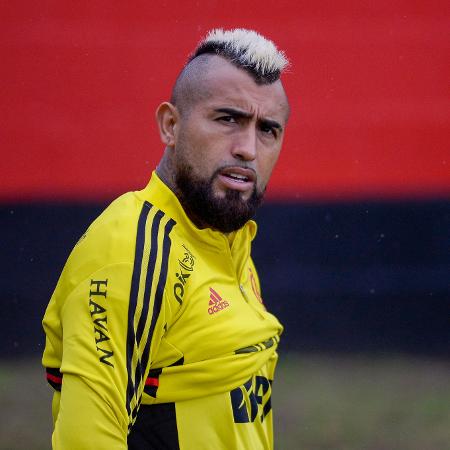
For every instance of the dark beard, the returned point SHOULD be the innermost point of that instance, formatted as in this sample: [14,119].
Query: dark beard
[206,210]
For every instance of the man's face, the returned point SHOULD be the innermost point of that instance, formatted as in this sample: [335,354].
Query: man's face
[226,145]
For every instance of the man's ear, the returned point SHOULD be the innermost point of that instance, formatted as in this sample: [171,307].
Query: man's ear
[167,117]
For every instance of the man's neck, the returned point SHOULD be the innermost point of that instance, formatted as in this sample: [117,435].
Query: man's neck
[165,177]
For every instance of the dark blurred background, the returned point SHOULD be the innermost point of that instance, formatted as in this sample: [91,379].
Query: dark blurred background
[354,238]
[353,276]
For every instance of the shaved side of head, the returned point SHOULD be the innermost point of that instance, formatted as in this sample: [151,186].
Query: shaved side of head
[189,87]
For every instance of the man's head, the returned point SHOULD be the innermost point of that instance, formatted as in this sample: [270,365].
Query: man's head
[224,127]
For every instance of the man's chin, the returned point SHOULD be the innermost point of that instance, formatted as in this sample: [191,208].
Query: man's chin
[236,195]
[211,204]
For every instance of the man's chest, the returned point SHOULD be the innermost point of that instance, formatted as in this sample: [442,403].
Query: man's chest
[221,309]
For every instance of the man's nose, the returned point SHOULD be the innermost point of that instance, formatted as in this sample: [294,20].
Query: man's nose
[244,145]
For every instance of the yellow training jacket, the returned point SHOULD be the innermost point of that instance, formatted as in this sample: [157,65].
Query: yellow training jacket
[156,334]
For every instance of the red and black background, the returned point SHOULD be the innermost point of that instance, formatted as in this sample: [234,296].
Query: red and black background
[354,238]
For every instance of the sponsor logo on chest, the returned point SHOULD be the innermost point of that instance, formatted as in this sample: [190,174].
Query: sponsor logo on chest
[186,266]
[216,302]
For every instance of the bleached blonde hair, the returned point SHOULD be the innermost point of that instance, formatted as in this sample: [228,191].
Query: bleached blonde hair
[246,49]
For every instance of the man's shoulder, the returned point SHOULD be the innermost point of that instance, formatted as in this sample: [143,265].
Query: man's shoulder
[130,221]
[110,237]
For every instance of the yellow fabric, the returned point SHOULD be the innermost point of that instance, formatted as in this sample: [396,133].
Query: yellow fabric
[145,289]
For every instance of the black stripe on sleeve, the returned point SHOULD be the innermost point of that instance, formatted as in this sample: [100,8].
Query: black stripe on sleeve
[150,389]
[159,289]
[54,378]
[149,277]
[134,292]
[140,367]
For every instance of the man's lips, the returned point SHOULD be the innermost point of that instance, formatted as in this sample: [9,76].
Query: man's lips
[239,173]
[238,178]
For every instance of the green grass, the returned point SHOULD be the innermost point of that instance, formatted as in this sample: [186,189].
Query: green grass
[356,403]
[25,397]
[320,402]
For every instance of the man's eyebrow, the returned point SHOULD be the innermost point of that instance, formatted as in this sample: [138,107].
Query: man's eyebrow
[235,112]
[270,123]
[238,113]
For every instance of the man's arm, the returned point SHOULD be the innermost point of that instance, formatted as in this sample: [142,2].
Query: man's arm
[85,420]
[111,330]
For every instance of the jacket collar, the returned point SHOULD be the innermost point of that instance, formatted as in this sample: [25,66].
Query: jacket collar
[160,195]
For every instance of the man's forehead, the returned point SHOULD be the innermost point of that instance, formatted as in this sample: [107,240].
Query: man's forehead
[225,85]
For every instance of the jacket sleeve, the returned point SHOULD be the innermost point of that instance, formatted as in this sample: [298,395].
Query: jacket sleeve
[112,323]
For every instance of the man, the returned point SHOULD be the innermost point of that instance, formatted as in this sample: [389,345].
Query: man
[157,337]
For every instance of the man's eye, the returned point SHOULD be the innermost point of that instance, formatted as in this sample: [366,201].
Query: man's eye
[229,119]
[267,129]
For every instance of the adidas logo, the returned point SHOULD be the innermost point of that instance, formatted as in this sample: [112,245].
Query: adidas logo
[216,302]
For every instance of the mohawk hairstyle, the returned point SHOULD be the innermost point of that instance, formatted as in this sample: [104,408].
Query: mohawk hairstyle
[245,49]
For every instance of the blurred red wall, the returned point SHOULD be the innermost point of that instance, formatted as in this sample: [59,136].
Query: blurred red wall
[369,89]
